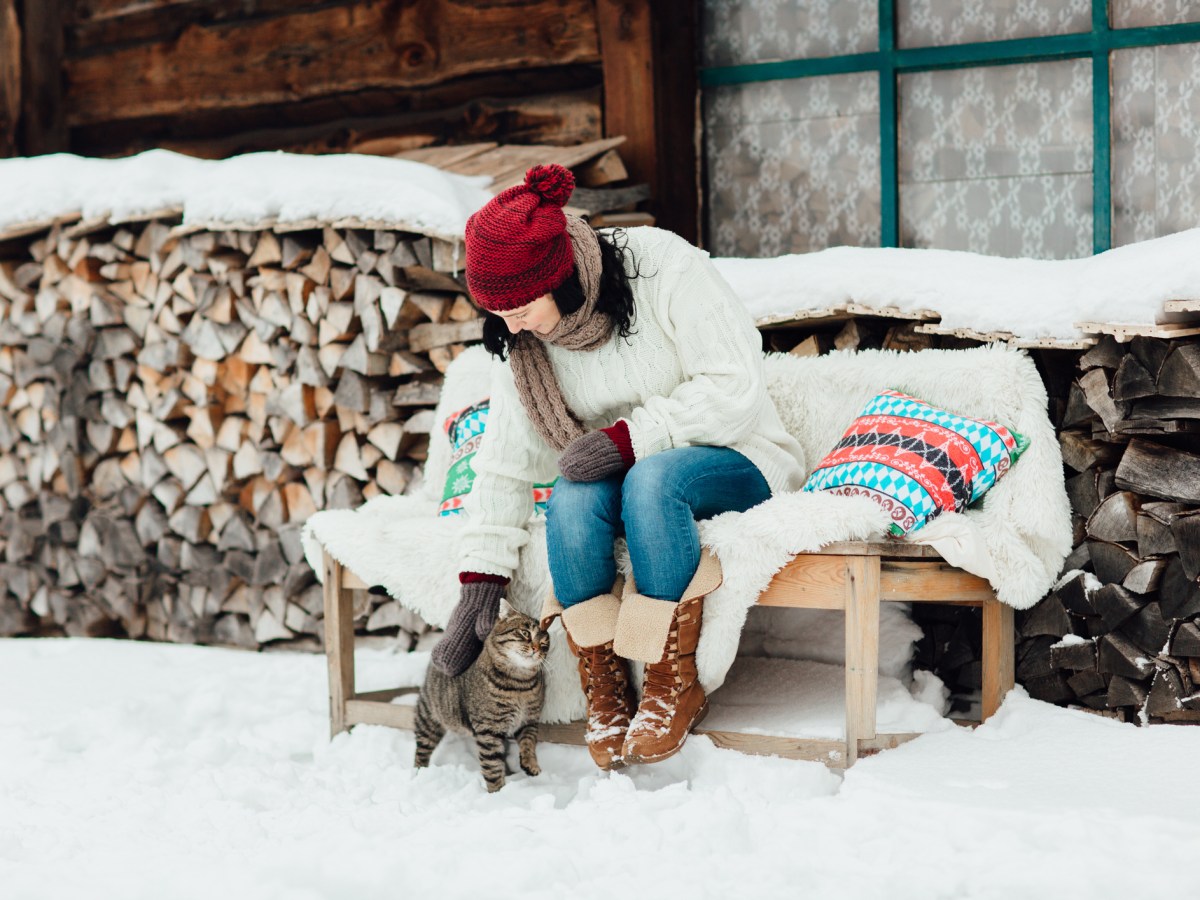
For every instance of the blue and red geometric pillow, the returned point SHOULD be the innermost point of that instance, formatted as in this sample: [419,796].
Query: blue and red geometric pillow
[916,460]
[465,430]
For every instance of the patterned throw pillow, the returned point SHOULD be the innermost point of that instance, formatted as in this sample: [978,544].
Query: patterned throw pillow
[465,430]
[916,460]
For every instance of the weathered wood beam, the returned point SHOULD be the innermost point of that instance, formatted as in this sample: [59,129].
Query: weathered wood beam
[10,78]
[676,203]
[627,53]
[43,124]
[370,44]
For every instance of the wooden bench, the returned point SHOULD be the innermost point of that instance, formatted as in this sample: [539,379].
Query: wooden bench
[852,577]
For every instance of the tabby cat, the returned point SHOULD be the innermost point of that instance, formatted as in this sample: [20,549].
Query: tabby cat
[498,697]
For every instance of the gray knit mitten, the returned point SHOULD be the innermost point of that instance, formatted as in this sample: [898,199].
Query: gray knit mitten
[469,625]
[592,457]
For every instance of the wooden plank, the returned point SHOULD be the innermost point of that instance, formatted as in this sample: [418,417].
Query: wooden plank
[676,35]
[507,165]
[10,78]
[883,549]
[324,51]
[627,56]
[1127,331]
[843,311]
[339,646]
[95,23]
[445,157]
[373,712]
[998,655]
[808,582]
[861,588]
[932,582]
[43,121]
[1181,306]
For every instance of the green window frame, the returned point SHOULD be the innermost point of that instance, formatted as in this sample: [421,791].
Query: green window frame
[891,61]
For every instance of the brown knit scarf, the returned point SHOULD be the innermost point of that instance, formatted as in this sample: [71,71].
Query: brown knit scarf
[585,329]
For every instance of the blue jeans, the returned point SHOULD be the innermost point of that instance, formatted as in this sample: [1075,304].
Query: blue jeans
[655,505]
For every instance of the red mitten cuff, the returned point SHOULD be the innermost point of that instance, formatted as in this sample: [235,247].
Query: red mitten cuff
[473,577]
[619,435]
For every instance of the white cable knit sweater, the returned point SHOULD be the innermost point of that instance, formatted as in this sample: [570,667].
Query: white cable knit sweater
[692,374]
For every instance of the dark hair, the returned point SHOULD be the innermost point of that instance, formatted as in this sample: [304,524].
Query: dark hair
[615,300]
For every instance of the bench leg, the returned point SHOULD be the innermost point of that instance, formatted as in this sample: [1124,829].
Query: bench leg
[339,644]
[998,655]
[862,650]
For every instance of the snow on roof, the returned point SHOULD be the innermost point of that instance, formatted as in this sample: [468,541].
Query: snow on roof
[1025,298]
[254,190]
[1030,298]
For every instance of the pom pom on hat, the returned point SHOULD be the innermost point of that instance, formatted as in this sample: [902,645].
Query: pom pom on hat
[553,183]
[517,243]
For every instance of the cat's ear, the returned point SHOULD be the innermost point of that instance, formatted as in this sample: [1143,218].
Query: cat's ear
[506,608]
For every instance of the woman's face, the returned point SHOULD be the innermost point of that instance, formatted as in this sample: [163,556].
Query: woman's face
[539,316]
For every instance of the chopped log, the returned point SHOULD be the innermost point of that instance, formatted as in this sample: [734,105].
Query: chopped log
[1111,562]
[1048,617]
[1148,629]
[1082,453]
[1117,655]
[1179,595]
[1154,537]
[423,337]
[1126,692]
[1180,374]
[1106,352]
[417,393]
[1145,576]
[1186,641]
[1086,681]
[1078,655]
[1076,594]
[1115,604]
[1132,381]
[1161,471]
[1097,391]
[1185,531]
[1115,519]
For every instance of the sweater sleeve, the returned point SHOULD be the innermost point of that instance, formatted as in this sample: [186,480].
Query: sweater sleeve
[512,456]
[720,351]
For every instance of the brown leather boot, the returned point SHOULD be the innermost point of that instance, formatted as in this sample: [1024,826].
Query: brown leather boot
[673,702]
[603,675]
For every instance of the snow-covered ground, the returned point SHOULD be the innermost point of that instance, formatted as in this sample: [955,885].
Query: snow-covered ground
[138,770]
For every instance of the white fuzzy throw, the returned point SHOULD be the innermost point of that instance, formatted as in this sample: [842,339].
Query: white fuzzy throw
[1017,537]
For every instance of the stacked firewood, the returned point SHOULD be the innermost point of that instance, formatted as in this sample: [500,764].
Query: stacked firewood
[1121,632]
[178,403]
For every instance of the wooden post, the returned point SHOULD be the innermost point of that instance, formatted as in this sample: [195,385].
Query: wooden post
[43,122]
[10,78]
[650,96]
[862,650]
[998,655]
[627,51]
[339,644]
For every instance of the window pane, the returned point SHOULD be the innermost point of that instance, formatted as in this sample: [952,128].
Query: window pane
[1156,130]
[793,165]
[736,33]
[931,23]
[998,159]
[1136,13]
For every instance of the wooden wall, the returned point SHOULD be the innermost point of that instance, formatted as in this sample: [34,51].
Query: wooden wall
[217,77]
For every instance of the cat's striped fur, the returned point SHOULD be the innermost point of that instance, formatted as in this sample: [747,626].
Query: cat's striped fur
[498,697]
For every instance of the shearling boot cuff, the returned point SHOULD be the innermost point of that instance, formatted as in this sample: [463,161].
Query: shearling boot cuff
[643,627]
[592,622]
[645,623]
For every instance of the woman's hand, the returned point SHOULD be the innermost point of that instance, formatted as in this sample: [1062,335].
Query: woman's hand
[598,454]
[469,625]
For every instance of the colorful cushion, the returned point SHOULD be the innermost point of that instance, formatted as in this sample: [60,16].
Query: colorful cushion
[465,431]
[916,460]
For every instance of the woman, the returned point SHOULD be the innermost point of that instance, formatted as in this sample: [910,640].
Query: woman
[634,371]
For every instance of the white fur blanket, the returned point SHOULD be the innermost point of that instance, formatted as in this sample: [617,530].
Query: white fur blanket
[1017,538]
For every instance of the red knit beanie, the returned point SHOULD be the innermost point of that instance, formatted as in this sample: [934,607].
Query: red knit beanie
[517,243]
